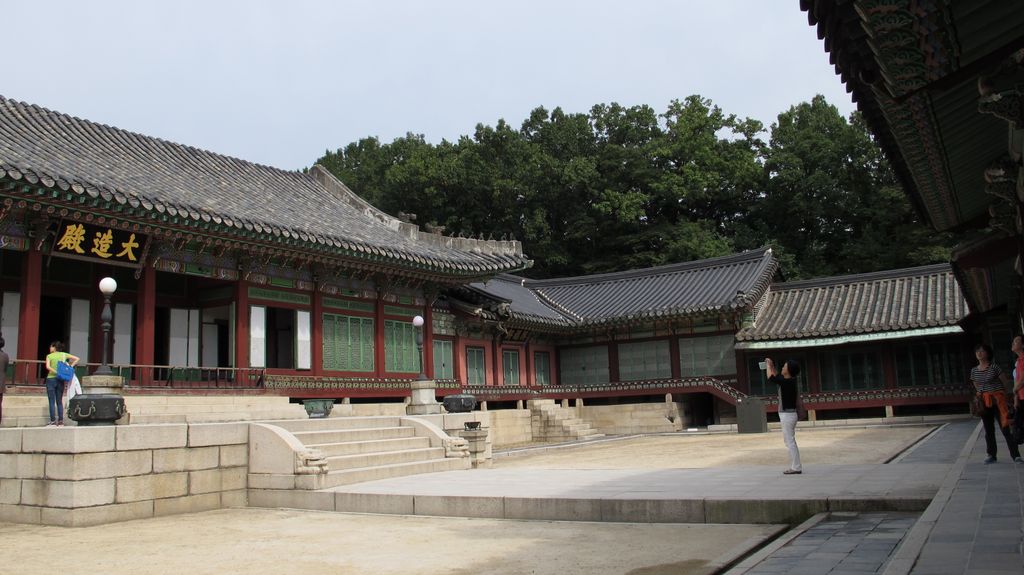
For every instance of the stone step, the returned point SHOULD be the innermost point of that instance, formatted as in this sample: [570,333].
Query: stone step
[23,400]
[349,435]
[177,400]
[141,409]
[285,409]
[26,421]
[217,417]
[350,476]
[373,446]
[25,410]
[331,423]
[383,458]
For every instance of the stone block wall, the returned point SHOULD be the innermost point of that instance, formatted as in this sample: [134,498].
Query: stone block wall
[78,476]
[632,418]
[510,427]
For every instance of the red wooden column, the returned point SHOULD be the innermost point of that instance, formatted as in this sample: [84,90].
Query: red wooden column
[145,325]
[317,335]
[529,378]
[241,324]
[28,315]
[673,355]
[496,371]
[428,342]
[613,362]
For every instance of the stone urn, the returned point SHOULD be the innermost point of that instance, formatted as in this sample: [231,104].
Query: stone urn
[318,408]
[100,403]
[459,403]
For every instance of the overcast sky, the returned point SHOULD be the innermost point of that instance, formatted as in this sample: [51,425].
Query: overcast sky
[281,82]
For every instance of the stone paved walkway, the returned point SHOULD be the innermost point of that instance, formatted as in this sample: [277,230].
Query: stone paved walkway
[976,527]
[979,528]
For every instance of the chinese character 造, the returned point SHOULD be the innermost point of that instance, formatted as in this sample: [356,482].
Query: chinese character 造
[72,239]
[128,246]
[101,244]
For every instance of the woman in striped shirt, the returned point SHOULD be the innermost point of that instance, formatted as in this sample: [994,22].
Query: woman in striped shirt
[990,384]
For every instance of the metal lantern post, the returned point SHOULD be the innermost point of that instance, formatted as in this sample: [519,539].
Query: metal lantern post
[101,402]
[107,287]
[417,322]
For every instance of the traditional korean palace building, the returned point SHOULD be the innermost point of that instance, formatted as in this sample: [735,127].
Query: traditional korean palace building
[229,273]
[888,341]
[239,278]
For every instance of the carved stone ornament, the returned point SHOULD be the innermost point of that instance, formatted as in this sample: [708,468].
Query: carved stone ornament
[310,462]
[456,447]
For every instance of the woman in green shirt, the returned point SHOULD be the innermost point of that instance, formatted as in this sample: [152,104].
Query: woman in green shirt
[54,386]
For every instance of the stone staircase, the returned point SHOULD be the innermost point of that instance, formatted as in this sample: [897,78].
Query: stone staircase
[343,450]
[554,423]
[32,411]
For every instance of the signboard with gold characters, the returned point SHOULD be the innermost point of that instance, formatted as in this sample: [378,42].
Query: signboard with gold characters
[90,242]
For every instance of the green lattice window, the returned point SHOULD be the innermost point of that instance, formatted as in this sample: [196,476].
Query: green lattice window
[443,359]
[929,363]
[476,371]
[400,353]
[510,366]
[644,360]
[849,370]
[348,343]
[584,365]
[713,355]
[542,368]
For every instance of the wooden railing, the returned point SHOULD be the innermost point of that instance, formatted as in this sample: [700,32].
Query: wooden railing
[888,396]
[721,388]
[32,372]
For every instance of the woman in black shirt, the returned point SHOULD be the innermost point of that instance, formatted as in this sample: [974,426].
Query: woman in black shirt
[788,408]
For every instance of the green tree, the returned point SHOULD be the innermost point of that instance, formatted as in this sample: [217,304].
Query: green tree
[626,187]
[831,202]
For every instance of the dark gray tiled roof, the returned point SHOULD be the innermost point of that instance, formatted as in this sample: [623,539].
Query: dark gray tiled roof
[523,302]
[886,301]
[58,151]
[714,285]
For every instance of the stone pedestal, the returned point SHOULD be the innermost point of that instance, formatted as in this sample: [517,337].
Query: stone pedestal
[423,400]
[100,402]
[479,447]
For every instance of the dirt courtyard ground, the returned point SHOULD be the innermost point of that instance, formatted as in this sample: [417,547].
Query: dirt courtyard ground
[269,541]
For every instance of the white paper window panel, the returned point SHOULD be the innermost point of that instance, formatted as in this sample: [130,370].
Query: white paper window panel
[177,350]
[123,331]
[231,335]
[210,344]
[304,351]
[183,347]
[257,336]
[9,322]
[78,339]
[193,338]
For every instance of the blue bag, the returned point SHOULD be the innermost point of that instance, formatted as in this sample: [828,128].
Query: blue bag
[65,372]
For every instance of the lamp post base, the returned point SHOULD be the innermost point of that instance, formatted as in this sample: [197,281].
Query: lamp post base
[423,401]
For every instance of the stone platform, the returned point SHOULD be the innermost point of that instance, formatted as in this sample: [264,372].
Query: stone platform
[751,495]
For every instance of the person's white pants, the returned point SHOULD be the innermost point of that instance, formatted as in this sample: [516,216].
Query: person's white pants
[788,421]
